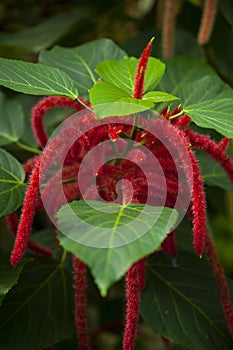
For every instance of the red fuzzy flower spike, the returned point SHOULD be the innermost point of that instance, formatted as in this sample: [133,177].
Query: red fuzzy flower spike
[213,150]
[26,218]
[80,286]
[221,282]
[132,280]
[12,223]
[198,207]
[141,70]
[46,105]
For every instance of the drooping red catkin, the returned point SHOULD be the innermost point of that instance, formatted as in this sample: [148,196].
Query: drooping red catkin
[29,165]
[207,21]
[132,281]
[224,143]
[181,122]
[221,282]
[168,26]
[43,107]
[198,207]
[141,71]
[80,288]
[213,150]
[12,223]
[25,223]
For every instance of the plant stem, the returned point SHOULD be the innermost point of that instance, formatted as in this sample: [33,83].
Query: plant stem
[84,105]
[176,115]
[27,148]
[71,179]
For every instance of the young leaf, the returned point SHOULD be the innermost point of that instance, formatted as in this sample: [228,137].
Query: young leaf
[38,312]
[158,96]
[107,237]
[182,304]
[11,183]
[122,73]
[36,79]
[109,100]
[213,114]
[79,62]
[8,275]
[11,121]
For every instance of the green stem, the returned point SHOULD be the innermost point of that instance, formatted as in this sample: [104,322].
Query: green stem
[176,115]
[27,148]
[71,179]
[84,105]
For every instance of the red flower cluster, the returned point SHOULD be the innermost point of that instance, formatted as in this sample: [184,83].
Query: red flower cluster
[146,189]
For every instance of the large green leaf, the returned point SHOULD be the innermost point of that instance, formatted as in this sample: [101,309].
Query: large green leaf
[11,121]
[11,183]
[8,275]
[109,238]
[206,88]
[182,70]
[36,79]
[214,114]
[109,100]
[38,312]
[213,174]
[80,62]
[46,33]
[181,303]
[122,73]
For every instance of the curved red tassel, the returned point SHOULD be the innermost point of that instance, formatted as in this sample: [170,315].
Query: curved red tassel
[12,223]
[132,281]
[42,108]
[25,223]
[80,287]
[221,282]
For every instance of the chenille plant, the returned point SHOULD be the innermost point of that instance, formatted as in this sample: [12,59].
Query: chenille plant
[183,295]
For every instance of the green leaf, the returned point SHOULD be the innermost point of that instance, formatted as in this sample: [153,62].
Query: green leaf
[79,62]
[182,304]
[158,96]
[209,87]
[109,238]
[212,173]
[109,100]
[46,33]
[214,114]
[38,312]
[36,79]
[181,71]
[11,121]
[8,275]
[122,73]
[11,183]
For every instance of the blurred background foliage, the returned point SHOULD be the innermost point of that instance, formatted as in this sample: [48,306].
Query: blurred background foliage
[28,26]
